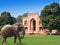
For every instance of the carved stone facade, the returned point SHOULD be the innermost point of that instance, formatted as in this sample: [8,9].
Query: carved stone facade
[32,23]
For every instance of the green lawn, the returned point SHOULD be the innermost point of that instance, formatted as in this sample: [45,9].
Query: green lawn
[35,40]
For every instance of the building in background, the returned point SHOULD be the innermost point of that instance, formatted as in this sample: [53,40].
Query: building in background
[32,23]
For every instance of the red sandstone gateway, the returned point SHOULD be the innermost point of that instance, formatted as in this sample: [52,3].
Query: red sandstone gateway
[32,23]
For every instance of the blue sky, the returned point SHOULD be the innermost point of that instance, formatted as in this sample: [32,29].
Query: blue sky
[19,7]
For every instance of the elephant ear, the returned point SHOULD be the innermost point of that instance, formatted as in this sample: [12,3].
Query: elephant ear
[22,33]
[15,26]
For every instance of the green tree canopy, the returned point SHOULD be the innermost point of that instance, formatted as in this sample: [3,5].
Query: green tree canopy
[5,14]
[19,18]
[50,16]
[25,15]
[6,18]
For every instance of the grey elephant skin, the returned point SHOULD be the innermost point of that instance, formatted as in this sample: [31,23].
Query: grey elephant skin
[12,30]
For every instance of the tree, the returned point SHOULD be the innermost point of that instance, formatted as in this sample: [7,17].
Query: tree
[5,14]
[50,16]
[55,8]
[25,15]
[19,18]
[6,18]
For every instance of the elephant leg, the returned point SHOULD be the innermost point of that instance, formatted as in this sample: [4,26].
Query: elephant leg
[19,38]
[4,40]
[15,39]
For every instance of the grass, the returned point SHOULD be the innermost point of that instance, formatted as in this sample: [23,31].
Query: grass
[35,40]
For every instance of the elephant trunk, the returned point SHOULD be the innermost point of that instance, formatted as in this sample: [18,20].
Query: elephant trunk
[23,34]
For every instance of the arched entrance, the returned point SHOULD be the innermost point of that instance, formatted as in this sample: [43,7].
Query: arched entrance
[32,24]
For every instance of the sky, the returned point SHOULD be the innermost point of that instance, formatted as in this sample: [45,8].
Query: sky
[19,7]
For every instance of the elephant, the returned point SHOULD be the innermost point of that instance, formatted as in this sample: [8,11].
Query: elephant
[12,30]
